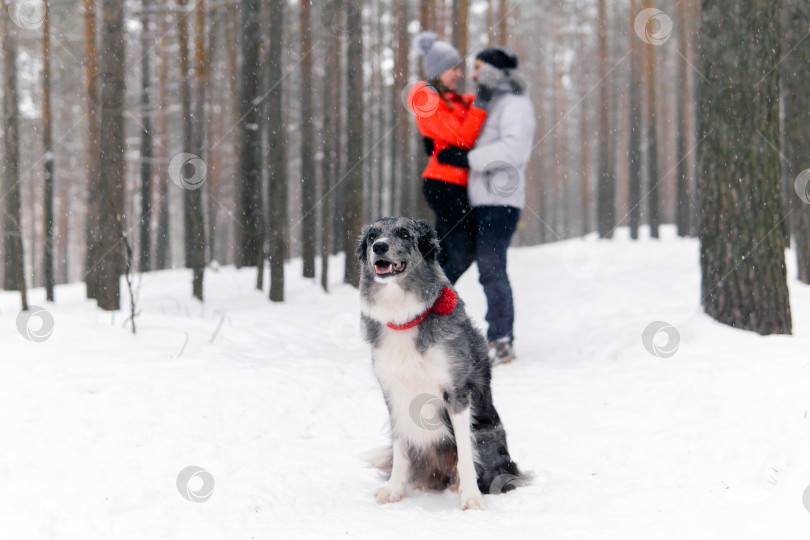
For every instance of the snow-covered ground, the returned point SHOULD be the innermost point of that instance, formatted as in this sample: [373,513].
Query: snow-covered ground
[275,402]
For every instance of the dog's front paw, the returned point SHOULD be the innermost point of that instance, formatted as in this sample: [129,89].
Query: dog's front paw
[472,500]
[388,494]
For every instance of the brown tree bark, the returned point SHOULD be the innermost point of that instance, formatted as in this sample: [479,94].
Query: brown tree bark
[742,248]
[111,192]
[145,232]
[308,179]
[13,260]
[162,254]
[606,189]
[354,153]
[93,218]
[634,128]
[795,72]
[47,203]
[682,202]
[277,153]
[652,135]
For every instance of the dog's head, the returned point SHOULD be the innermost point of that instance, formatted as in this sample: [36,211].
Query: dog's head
[392,247]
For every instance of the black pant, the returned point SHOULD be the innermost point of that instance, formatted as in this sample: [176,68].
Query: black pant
[455,225]
[496,225]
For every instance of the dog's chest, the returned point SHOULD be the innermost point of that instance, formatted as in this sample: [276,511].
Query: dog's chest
[414,383]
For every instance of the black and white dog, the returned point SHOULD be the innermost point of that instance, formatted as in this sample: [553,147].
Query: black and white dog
[433,368]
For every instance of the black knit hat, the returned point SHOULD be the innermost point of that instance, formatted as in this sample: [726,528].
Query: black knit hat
[500,57]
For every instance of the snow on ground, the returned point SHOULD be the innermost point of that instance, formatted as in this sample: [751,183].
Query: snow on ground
[277,401]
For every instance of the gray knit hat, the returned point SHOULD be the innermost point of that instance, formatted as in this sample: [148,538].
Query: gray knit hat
[437,56]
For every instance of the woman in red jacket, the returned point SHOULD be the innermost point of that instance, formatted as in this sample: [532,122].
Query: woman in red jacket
[448,119]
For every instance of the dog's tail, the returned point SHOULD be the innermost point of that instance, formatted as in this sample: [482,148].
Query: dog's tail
[381,458]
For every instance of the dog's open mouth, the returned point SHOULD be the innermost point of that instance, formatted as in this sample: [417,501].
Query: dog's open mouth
[386,268]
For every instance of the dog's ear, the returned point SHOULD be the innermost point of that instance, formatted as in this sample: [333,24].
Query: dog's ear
[428,240]
[362,247]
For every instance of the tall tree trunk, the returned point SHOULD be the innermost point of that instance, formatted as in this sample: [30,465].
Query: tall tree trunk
[47,203]
[585,150]
[795,72]
[329,167]
[162,254]
[354,153]
[461,16]
[503,23]
[13,261]
[308,180]
[111,193]
[682,203]
[145,262]
[250,152]
[652,136]
[742,249]
[93,219]
[606,190]
[277,153]
[192,196]
[400,139]
[634,142]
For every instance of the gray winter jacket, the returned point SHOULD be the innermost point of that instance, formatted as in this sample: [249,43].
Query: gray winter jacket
[498,159]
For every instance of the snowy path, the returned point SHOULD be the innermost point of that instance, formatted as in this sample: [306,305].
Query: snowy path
[276,401]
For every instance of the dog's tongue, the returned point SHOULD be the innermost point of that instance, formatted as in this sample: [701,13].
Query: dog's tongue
[383,268]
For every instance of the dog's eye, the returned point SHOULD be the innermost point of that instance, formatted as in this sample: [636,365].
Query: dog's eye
[372,236]
[404,234]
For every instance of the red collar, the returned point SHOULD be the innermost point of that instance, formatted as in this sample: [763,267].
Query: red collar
[444,305]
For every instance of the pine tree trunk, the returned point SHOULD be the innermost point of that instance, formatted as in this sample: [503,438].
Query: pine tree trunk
[354,153]
[111,192]
[652,136]
[162,254]
[682,203]
[192,198]
[308,180]
[795,72]
[145,237]
[47,203]
[93,218]
[13,261]
[329,163]
[250,154]
[742,249]
[634,143]
[277,153]
[461,15]
[606,190]
[503,24]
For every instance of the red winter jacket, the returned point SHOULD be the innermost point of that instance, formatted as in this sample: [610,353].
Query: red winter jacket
[447,126]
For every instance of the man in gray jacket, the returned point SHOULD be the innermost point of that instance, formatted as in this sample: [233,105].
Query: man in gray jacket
[497,189]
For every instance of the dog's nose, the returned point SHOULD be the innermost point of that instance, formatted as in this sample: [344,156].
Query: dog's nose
[380,248]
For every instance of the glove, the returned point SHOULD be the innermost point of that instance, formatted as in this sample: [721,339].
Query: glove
[428,145]
[454,156]
[487,80]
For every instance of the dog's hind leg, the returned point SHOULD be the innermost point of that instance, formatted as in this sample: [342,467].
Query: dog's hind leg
[471,497]
[393,490]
